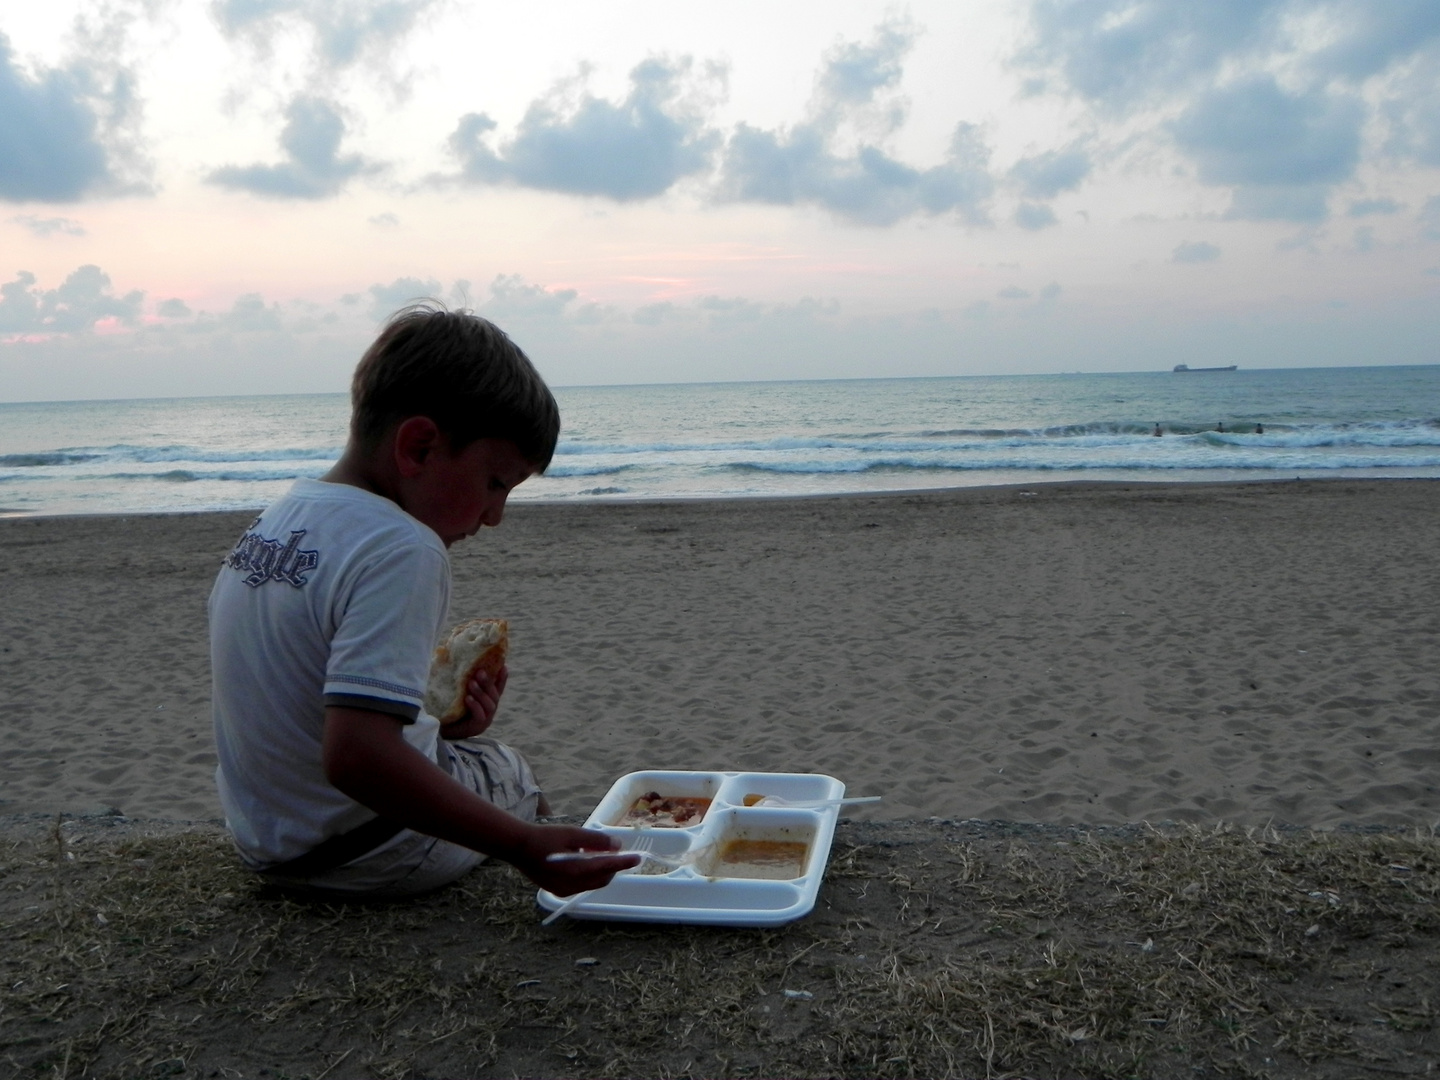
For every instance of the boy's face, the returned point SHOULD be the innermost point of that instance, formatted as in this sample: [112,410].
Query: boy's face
[457,494]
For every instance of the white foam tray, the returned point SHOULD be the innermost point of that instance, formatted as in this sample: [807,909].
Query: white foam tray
[687,895]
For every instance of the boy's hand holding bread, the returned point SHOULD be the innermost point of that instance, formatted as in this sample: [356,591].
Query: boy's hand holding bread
[468,676]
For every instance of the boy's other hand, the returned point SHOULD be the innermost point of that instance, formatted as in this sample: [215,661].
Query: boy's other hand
[482,698]
[568,878]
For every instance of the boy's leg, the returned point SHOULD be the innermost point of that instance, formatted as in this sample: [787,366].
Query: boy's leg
[412,862]
[497,773]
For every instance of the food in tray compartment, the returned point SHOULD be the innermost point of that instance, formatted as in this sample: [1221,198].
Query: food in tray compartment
[752,799]
[774,859]
[653,810]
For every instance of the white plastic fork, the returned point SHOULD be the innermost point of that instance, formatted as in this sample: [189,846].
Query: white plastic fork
[640,844]
[813,804]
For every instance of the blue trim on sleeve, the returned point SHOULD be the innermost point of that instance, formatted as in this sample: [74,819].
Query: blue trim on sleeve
[399,710]
[376,684]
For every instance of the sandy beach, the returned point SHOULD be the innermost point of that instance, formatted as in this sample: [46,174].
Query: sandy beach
[1082,658]
[1057,654]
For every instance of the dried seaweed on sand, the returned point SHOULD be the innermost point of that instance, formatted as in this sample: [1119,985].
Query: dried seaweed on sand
[938,949]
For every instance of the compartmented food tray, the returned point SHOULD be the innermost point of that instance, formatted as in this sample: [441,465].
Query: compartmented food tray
[743,862]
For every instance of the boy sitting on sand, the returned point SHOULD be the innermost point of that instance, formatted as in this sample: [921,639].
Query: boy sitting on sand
[324,619]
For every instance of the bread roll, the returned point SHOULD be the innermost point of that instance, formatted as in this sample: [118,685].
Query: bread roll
[477,645]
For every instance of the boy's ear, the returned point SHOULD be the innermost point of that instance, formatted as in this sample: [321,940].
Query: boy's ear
[417,438]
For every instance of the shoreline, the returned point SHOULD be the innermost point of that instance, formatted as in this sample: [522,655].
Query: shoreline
[1354,476]
[1092,652]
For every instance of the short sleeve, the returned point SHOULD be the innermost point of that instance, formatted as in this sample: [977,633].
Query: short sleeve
[386,626]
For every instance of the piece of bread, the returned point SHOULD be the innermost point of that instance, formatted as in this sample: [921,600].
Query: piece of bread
[477,645]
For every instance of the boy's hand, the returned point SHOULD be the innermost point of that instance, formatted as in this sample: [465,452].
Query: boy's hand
[568,878]
[366,756]
[482,698]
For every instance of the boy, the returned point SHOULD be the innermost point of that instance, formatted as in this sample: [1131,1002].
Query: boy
[324,618]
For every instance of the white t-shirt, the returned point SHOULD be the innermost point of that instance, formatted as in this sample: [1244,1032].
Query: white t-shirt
[334,596]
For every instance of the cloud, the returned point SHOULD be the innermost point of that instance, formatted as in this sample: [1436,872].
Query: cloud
[1280,150]
[854,76]
[730,310]
[660,134]
[1128,54]
[1013,292]
[1046,175]
[513,300]
[1372,37]
[81,300]
[51,144]
[1197,251]
[314,168]
[343,31]
[1366,207]
[636,149]
[249,314]
[387,299]
[1035,216]
[730,315]
[654,314]
[174,308]
[43,227]
[1413,111]
[868,187]
[1430,218]
[1343,62]
[805,164]
[1254,132]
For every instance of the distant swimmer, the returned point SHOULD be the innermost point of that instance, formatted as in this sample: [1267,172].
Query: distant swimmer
[1157,432]
[1220,426]
[1259,429]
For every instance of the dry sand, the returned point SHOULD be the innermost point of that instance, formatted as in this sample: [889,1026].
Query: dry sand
[1067,653]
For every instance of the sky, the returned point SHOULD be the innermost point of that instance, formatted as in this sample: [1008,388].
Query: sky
[228,197]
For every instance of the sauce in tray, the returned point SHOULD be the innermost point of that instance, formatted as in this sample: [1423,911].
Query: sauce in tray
[655,811]
[777,860]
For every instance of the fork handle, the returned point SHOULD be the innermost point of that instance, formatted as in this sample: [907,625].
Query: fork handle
[587,856]
[566,906]
[816,804]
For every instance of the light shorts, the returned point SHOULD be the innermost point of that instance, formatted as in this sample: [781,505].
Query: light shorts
[410,863]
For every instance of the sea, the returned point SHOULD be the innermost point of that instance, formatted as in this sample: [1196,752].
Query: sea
[767,439]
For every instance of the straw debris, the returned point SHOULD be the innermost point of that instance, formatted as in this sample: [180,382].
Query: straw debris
[938,949]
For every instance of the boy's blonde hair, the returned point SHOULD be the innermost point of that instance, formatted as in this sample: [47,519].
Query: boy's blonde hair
[461,371]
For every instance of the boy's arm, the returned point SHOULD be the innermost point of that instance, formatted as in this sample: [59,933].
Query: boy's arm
[366,756]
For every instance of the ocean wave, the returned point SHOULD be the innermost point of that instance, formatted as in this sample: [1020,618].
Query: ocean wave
[586,470]
[1322,438]
[1101,434]
[158,455]
[997,463]
[220,475]
[42,460]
